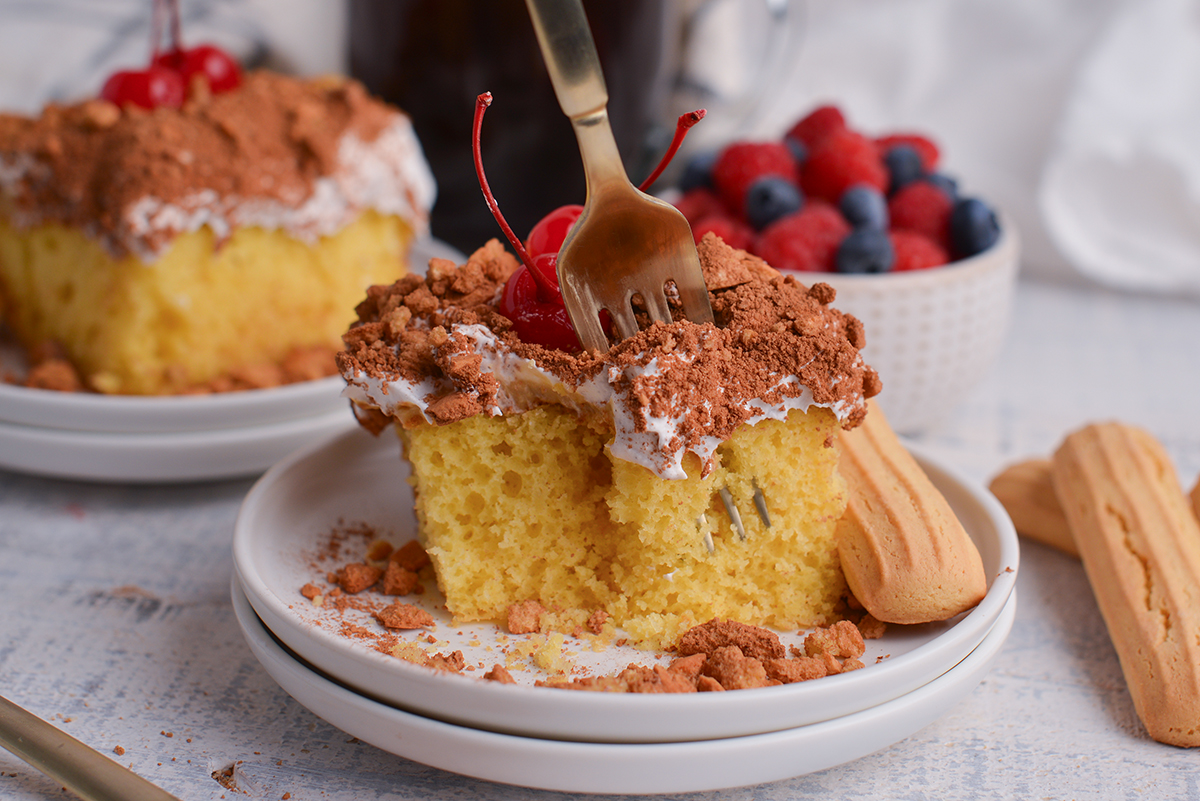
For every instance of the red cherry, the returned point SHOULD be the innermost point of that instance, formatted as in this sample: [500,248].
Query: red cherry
[550,232]
[149,88]
[217,66]
[537,321]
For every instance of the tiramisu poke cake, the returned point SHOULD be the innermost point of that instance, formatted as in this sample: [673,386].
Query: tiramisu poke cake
[165,236]
[688,473]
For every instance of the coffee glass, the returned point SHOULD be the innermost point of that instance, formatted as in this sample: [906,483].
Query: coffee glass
[434,57]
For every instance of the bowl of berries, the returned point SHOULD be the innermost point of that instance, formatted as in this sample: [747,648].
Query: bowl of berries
[929,270]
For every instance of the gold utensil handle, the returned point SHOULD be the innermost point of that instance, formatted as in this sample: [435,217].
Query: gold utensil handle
[570,54]
[75,765]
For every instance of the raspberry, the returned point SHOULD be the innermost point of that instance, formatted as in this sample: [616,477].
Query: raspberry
[742,163]
[925,147]
[922,207]
[805,241]
[697,204]
[916,251]
[844,158]
[819,124]
[735,233]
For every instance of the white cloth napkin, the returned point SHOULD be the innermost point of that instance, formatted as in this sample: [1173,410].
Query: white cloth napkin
[1120,194]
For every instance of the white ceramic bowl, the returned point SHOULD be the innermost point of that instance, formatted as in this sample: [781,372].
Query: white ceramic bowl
[932,334]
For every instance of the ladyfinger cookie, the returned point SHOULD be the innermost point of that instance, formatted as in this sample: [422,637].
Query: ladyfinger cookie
[1140,545]
[1026,491]
[905,555]
[1194,495]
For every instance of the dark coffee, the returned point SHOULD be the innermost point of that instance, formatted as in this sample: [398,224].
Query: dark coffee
[434,57]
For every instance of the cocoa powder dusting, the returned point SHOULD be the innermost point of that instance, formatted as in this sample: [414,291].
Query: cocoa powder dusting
[769,329]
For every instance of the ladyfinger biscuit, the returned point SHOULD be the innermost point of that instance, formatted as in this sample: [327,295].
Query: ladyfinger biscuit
[1026,491]
[905,555]
[1140,545]
[1194,495]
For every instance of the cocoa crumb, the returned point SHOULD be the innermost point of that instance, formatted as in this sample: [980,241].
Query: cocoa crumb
[753,641]
[841,639]
[595,622]
[500,675]
[525,617]
[411,556]
[355,577]
[789,671]
[454,663]
[871,628]
[398,580]
[734,670]
[119,750]
[311,591]
[403,616]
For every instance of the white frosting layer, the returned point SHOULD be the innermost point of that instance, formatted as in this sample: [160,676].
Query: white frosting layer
[388,175]
[654,442]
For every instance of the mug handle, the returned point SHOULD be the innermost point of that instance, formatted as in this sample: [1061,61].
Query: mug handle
[739,113]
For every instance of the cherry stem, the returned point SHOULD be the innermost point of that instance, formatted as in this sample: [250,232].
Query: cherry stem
[176,37]
[481,104]
[156,29]
[685,122]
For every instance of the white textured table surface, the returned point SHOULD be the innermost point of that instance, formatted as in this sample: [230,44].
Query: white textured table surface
[117,623]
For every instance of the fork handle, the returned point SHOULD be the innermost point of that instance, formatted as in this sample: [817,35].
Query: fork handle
[570,54]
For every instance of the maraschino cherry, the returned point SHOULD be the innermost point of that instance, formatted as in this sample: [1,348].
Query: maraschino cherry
[532,298]
[168,79]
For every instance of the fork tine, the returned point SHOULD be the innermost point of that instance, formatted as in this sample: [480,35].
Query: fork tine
[656,305]
[732,511]
[760,503]
[623,319]
[694,299]
[587,326]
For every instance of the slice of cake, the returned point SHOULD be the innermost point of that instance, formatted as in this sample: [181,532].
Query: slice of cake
[168,249]
[598,482]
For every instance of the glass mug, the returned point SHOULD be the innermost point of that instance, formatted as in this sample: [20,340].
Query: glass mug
[432,58]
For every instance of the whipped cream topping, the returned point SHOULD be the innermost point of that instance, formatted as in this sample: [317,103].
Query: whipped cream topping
[435,351]
[389,175]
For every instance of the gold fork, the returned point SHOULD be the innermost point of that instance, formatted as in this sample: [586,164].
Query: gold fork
[625,243]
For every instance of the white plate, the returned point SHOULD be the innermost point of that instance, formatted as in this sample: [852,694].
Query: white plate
[130,414]
[622,768]
[161,458]
[358,478]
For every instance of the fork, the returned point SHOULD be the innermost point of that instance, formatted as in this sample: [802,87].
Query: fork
[625,243]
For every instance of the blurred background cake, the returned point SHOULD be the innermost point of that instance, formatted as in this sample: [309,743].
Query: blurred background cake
[166,249]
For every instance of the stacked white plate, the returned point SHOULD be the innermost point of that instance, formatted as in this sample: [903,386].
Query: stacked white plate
[578,741]
[171,438]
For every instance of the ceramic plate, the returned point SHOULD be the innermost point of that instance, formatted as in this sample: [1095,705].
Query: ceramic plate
[129,414]
[622,768]
[356,478]
[163,458]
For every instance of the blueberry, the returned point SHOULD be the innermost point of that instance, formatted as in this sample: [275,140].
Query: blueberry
[798,148]
[864,206]
[865,250]
[770,198]
[903,163]
[945,183]
[973,227]
[698,172]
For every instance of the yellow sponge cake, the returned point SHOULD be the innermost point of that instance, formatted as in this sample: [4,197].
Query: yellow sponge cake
[688,473]
[164,250]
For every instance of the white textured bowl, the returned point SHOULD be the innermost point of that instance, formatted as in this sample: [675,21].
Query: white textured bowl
[932,334]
